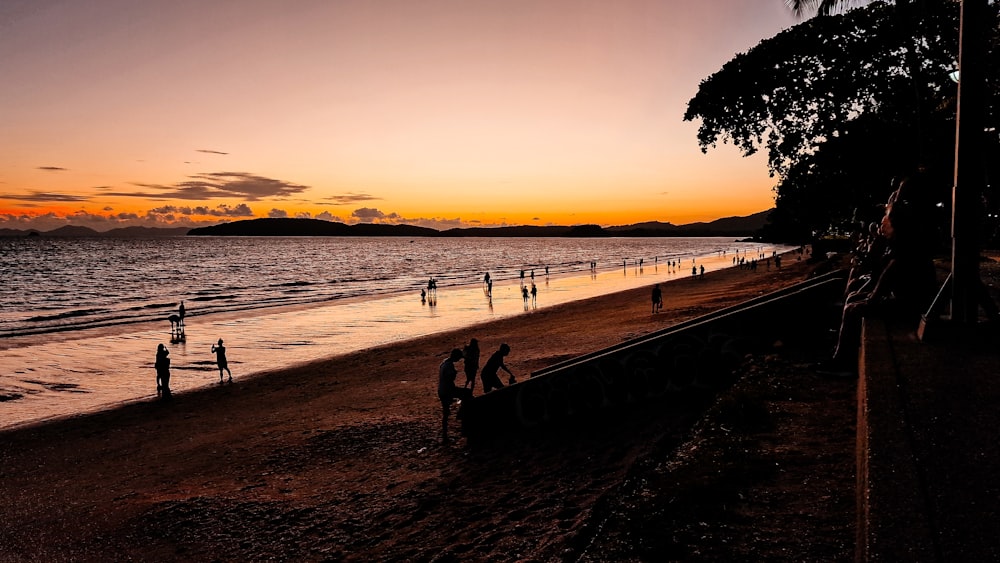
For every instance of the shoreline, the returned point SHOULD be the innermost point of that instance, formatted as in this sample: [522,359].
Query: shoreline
[347,445]
[62,374]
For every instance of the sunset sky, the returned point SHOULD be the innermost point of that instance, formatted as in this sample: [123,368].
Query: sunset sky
[429,112]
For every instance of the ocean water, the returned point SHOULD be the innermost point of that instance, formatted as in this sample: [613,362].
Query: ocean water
[60,284]
[80,319]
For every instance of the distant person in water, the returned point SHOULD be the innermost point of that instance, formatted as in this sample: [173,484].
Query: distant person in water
[657,298]
[220,358]
[448,392]
[162,371]
[471,355]
[490,372]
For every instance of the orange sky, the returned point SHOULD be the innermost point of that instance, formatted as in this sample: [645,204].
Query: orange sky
[438,113]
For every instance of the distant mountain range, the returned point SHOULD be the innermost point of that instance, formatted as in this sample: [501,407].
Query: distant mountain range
[729,226]
[123,232]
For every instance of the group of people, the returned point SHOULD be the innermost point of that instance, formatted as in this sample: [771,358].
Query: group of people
[448,389]
[893,269]
[162,363]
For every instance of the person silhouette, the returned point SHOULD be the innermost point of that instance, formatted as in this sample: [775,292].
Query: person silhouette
[220,358]
[534,295]
[447,391]
[471,367]
[493,366]
[657,298]
[162,366]
[524,296]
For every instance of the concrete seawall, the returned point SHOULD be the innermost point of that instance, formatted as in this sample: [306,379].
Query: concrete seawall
[698,355]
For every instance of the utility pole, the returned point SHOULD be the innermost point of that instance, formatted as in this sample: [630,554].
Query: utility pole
[970,176]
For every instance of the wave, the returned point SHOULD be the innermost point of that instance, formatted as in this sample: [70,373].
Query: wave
[65,315]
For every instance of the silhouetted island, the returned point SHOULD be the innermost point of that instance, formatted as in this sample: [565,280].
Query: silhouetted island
[729,226]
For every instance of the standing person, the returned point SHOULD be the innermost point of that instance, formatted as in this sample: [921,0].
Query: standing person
[657,298]
[493,366]
[702,274]
[220,357]
[524,295]
[471,354]
[162,371]
[447,392]
[181,312]
[534,295]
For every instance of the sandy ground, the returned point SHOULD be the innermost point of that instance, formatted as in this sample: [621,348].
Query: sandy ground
[340,459]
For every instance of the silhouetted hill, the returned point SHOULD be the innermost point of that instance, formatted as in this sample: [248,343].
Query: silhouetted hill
[309,228]
[122,232]
[528,231]
[15,232]
[727,226]
[72,231]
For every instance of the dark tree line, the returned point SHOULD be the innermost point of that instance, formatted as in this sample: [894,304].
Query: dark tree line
[842,105]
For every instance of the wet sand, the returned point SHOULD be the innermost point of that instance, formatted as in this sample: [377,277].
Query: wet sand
[339,459]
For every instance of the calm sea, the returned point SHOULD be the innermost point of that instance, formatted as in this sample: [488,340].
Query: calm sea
[63,284]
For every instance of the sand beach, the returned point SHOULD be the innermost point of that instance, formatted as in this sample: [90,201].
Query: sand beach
[340,459]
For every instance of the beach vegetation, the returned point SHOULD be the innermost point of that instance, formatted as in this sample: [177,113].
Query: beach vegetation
[841,105]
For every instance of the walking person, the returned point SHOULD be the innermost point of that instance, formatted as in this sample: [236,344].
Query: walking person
[220,358]
[162,366]
[657,298]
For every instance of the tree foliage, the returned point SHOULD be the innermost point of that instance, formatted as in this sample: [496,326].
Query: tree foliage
[840,104]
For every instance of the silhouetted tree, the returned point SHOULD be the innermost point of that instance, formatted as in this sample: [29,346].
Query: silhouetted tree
[841,104]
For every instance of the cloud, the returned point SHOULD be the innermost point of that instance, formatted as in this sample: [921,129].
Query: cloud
[367,214]
[303,215]
[209,151]
[45,197]
[349,198]
[372,215]
[216,185]
[277,214]
[221,210]
[52,168]
[327,216]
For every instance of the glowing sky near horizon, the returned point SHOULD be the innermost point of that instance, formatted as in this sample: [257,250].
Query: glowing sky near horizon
[438,113]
